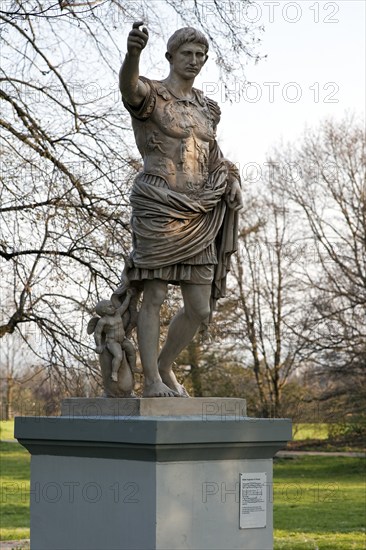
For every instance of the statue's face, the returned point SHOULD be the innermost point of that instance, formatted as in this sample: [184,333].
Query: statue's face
[188,60]
[109,309]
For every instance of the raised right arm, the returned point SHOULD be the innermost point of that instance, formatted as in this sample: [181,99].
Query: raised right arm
[133,90]
[126,302]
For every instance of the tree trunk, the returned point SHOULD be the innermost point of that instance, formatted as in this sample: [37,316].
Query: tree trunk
[9,398]
[193,358]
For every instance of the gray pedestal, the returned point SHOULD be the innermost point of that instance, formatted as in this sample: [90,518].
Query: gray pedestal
[145,479]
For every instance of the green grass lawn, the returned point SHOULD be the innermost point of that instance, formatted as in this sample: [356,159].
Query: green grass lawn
[346,436]
[309,431]
[14,491]
[6,429]
[319,502]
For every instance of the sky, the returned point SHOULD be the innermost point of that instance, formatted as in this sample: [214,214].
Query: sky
[315,68]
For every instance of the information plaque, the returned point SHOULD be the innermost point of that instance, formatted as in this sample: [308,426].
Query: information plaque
[253,500]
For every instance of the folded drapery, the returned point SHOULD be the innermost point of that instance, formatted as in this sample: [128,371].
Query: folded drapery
[179,230]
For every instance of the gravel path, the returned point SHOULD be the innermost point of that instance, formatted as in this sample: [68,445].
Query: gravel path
[291,454]
[14,545]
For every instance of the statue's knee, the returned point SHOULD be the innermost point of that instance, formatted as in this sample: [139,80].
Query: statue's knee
[200,312]
[118,357]
[155,296]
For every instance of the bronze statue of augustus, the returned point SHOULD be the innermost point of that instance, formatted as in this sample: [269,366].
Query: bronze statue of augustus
[185,202]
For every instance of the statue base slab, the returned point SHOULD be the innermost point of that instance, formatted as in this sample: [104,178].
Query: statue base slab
[152,482]
[152,406]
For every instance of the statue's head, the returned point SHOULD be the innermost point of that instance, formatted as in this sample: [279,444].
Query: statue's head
[184,35]
[105,307]
[187,52]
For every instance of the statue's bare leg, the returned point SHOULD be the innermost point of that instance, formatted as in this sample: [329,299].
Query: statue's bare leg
[117,355]
[148,332]
[129,350]
[182,329]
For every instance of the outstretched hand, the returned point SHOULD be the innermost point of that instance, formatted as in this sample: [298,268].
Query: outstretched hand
[137,39]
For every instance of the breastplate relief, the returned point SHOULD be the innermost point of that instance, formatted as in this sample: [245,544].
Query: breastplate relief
[175,141]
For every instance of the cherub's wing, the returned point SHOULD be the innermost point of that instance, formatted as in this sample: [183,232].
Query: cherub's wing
[92,324]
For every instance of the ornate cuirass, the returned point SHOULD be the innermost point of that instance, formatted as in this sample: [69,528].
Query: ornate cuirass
[174,136]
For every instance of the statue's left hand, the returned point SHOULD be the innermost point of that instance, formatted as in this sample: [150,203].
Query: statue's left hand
[234,197]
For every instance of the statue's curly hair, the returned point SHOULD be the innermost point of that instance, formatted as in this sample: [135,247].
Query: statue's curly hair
[186,34]
[100,307]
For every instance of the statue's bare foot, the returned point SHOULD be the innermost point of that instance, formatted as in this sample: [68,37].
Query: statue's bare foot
[170,380]
[114,376]
[182,391]
[159,389]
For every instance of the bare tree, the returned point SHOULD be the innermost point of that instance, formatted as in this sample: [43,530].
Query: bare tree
[265,311]
[325,180]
